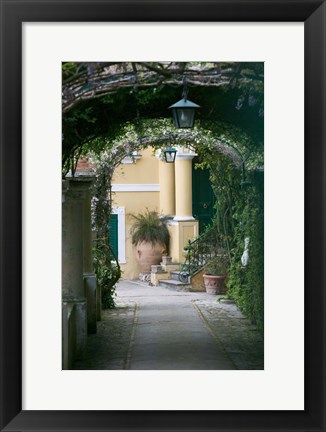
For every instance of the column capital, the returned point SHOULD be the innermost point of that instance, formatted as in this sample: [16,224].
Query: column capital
[185,154]
[80,182]
[76,187]
[65,185]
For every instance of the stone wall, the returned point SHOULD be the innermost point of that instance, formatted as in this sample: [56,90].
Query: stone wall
[80,296]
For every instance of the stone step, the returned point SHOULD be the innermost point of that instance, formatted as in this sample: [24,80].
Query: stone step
[175,275]
[175,285]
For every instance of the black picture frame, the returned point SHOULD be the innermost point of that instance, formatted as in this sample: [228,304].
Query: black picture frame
[13,14]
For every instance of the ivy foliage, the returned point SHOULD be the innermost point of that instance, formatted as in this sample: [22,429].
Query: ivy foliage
[107,274]
[106,264]
[246,285]
[240,215]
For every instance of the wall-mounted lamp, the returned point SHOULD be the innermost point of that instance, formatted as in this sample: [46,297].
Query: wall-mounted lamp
[169,154]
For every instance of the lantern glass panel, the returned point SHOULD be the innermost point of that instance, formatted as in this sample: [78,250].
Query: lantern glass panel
[170,156]
[184,117]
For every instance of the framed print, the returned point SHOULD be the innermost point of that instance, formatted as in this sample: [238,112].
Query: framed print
[36,38]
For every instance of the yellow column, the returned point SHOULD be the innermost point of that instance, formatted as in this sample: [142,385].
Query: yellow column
[183,186]
[167,195]
[183,227]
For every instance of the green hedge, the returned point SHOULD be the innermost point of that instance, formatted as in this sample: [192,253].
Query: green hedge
[246,285]
[240,214]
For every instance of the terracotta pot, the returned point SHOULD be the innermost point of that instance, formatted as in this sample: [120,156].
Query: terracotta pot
[148,254]
[214,284]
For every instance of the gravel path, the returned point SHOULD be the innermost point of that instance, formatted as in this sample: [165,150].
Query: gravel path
[155,328]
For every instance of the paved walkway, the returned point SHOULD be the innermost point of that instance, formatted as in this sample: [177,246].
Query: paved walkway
[155,328]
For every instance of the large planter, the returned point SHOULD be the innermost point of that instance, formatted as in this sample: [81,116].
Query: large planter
[214,284]
[148,254]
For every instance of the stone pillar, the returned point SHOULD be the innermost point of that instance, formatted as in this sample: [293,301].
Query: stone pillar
[87,221]
[167,189]
[82,184]
[183,186]
[73,294]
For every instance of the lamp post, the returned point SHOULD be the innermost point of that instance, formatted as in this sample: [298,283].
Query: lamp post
[184,111]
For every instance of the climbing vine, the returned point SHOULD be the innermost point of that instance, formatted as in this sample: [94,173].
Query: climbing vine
[106,264]
[240,215]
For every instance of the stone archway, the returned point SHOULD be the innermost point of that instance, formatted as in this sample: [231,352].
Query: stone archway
[174,181]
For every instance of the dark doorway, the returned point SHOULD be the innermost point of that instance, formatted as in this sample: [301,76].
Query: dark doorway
[203,198]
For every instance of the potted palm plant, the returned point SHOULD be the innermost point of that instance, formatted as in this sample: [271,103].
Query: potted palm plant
[215,275]
[151,238]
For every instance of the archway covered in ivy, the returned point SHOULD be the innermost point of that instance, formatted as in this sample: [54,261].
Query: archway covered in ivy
[111,110]
[100,98]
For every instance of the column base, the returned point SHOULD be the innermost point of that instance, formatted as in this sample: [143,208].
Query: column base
[183,218]
[68,335]
[74,331]
[180,233]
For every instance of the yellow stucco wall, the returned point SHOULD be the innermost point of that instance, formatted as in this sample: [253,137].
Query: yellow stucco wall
[143,172]
[133,203]
[136,202]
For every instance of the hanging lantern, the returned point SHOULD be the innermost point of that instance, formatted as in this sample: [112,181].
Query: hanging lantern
[184,111]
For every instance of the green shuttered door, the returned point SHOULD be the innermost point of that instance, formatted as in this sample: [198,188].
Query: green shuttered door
[113,233]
